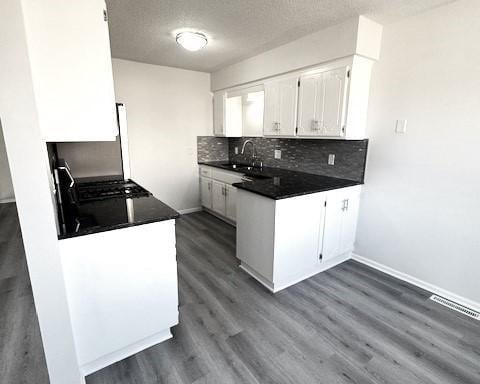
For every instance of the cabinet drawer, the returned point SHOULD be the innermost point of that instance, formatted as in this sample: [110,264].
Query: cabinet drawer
[205,171]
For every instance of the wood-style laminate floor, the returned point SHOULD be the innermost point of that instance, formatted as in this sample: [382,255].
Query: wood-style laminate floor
[21,351]
[349,325]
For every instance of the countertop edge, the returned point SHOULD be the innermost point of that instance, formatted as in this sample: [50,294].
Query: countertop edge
[297,194]
[115,227]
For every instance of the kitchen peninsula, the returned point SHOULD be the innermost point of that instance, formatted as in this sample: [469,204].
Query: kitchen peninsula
[117,244]
[290,224]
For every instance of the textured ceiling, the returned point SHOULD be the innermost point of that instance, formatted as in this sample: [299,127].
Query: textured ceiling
[142,30]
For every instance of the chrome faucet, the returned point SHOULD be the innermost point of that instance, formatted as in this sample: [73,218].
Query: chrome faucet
[254,151]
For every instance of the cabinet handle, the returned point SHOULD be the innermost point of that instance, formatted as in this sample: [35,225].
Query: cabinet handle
[345,205]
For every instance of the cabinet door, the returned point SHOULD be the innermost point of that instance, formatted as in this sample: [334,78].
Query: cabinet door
[206,192]
[252,112]
[298,224]
[281,107]
[310,106]
[218,197]
[219,98]
[349,224]
[340,226]
[271,118]
[69,49]
[288,92]
[332,232]
[233,116]
[334,102]
[231,202]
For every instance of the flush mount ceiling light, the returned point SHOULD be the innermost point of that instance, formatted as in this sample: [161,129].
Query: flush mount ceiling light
[192,41]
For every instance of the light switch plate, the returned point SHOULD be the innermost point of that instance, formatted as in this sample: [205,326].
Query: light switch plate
[277,154]
[331,159]
[236,150]
[401,126]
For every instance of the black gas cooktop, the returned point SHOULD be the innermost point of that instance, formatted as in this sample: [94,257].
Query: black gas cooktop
[100,190]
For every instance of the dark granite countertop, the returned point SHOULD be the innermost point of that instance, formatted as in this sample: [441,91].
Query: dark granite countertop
[278,183]
[115,213]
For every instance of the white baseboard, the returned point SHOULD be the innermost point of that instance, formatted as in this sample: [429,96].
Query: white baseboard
[189,210]
[130,350]
[5,201]
[419,283]
[277,287]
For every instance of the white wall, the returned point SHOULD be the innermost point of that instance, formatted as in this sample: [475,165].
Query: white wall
[28,158]
[6,187]
[421,202]
[167,108]
[357,35]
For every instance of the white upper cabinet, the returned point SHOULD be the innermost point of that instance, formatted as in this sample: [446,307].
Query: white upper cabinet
[218,112]
[252,111]
[69,50]
[227,115]
[331,99]
[334,102]
[322,103]
[281,107]
[310,106]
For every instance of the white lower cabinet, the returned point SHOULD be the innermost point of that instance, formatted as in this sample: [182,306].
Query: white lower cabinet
[122,291]
[206,192]
[217,192]
[340,222]
[282,242]
[218,197]
[230,202]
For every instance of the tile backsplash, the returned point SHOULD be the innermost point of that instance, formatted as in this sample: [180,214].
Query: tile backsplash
[210,148]
[305,155]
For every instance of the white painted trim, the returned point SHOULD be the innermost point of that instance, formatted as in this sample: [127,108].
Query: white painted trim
[5,201]
[417,282]
[257,276]
[123,353]
[189,210]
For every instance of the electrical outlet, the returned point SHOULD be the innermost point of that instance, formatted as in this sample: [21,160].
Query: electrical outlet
[236,150]
[277,154]
[401,126]
[331,159]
